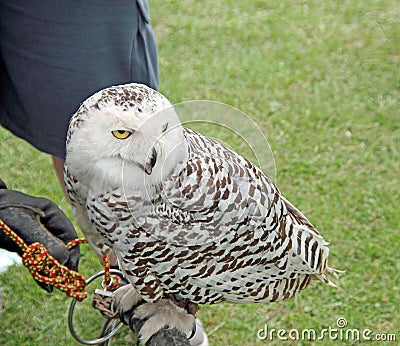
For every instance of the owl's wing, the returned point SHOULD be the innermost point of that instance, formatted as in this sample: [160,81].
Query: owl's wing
[220,197]
[217,191]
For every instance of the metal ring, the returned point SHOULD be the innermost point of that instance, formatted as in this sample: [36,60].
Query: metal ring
[71,314]
[103,282]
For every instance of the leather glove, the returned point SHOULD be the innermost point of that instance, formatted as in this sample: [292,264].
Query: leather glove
[40,220]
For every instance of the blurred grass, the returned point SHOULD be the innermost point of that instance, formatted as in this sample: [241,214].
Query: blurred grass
[322,81]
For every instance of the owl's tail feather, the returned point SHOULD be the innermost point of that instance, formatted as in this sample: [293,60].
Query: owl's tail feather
[307,241]
[328,274]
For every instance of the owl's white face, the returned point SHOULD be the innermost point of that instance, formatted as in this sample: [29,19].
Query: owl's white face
[137,146]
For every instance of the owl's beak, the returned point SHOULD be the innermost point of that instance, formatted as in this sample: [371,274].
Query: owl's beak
[148,166]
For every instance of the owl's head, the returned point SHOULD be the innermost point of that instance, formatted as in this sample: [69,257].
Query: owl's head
[127,134]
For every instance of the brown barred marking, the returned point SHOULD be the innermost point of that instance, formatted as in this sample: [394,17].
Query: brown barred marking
[215,230]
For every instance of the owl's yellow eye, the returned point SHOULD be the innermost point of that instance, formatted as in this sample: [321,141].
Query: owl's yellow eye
[121,134]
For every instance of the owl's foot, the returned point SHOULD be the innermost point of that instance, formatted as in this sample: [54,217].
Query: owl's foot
[173,316]
[125,299]
[163,314]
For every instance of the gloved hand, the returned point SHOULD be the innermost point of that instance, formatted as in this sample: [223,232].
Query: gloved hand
[37,219]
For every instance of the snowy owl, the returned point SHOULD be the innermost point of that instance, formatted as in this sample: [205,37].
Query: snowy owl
[184,214]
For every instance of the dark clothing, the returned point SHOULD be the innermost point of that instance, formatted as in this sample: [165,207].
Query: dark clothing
[54,54]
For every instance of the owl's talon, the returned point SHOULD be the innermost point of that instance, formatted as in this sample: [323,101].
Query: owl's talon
[125,299]
[194,329]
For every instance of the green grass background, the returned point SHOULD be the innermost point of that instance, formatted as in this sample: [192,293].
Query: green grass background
[321,78]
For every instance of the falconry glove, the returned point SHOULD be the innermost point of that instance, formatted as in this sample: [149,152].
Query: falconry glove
[37,219]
